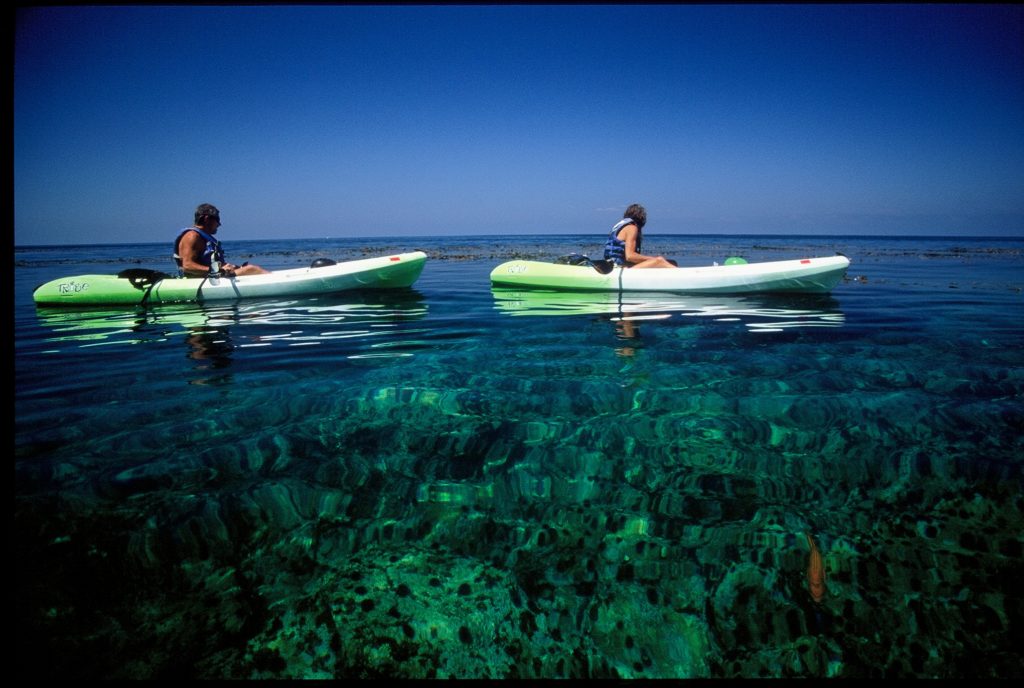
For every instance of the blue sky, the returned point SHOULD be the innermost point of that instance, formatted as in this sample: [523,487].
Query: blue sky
[331,121]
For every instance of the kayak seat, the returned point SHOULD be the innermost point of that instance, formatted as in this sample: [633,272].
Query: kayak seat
[142,278]
[602,266]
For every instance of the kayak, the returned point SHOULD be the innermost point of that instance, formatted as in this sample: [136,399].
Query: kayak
[142,286]
[806,276]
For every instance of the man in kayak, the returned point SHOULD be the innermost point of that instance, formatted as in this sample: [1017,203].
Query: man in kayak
[623,246]
[198,253]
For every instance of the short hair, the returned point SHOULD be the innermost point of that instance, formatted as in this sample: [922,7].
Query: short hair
[206,211]
[637,214]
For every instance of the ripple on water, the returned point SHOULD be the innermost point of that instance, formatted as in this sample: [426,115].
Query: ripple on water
[533,496]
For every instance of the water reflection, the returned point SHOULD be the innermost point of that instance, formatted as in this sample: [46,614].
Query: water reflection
[626,330]
[212,331]
[759,313]
[211,349]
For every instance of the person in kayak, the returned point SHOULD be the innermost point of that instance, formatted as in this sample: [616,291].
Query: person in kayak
[198,253]
[623,245]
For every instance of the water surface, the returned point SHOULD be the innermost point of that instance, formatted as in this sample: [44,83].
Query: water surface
[455,480]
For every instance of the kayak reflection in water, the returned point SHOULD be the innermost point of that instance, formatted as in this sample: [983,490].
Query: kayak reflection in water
[199,254]
[623,245]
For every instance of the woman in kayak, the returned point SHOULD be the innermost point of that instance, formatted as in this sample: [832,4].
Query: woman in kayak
[198,253]
[623,246]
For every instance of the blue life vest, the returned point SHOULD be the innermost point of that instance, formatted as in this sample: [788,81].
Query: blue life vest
[213,249]
[615,248]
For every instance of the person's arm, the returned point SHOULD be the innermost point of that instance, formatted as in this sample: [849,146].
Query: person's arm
[628,235]
[639,260]
[190,249]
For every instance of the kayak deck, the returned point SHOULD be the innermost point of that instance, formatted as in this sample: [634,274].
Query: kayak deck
[143,286]
[806,276]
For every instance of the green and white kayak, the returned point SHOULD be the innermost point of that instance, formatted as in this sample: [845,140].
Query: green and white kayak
[807,276]
[140,286]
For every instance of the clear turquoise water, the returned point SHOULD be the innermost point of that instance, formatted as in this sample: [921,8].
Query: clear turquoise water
[455,481]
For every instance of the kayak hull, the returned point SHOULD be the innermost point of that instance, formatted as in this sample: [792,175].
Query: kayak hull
[804,276]
[387,272]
